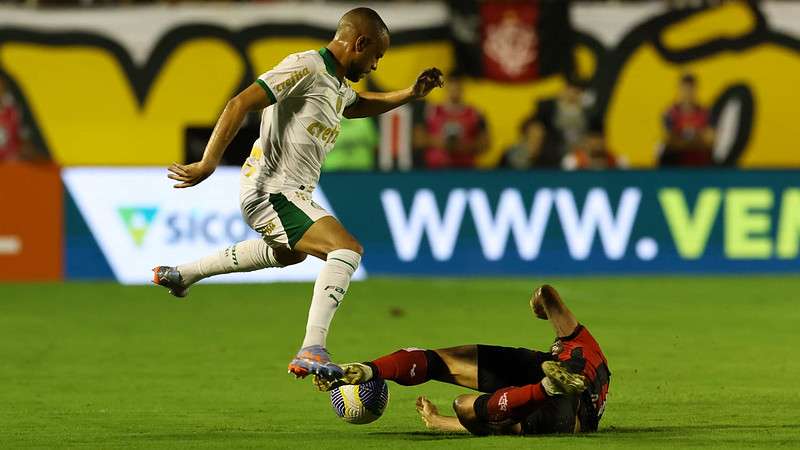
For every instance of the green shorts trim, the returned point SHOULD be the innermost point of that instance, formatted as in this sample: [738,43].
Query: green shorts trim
[295,222]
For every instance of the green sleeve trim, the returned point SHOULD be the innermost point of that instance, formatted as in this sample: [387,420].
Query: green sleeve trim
[264,86]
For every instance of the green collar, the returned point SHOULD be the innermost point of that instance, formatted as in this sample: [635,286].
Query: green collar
[330,61]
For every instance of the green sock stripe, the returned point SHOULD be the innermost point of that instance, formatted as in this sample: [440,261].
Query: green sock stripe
[354,267]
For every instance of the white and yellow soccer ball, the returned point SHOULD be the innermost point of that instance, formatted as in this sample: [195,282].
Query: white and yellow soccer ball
[360,403]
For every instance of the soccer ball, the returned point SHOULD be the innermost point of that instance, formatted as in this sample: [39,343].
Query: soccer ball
[361,403]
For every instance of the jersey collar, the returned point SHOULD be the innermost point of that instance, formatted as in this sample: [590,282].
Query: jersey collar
[330,61]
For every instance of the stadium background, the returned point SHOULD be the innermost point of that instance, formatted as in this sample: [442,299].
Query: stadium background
[110,94]
[123,87]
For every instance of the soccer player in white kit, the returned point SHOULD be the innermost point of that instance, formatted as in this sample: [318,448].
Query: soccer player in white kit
[303,99]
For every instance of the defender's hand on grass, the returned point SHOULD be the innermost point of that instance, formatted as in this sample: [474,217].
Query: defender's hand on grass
[190,174]
[426,81]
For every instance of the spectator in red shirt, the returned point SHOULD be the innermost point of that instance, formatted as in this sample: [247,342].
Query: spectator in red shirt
[689,135]
[14,143]
[455,131]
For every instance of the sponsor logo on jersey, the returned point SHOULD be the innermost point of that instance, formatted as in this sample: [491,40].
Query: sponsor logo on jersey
[325,134]
[292,80]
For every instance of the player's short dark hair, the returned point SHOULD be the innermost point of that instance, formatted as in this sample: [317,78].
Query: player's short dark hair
[369,15]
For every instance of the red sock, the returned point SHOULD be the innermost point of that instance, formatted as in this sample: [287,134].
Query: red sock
[405,367]
[515,402]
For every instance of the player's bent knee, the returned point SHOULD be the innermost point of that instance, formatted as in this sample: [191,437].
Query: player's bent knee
[349,244]
[352,245]
[288,257]
[464,407]
[296,258]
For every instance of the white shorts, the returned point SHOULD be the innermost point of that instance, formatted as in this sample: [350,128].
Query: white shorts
[282,218]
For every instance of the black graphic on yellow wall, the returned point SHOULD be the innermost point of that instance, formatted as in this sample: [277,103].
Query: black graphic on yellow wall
[90,104]
[743,67]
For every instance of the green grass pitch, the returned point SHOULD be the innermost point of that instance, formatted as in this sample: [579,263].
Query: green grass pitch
[695,361]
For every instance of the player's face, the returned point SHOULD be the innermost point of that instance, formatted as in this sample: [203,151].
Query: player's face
[369,50]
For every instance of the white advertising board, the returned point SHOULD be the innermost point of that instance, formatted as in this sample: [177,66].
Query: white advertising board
[140,221]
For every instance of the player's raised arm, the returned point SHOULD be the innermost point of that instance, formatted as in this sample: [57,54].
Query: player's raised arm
[547,305]
[374,103]
[251,99]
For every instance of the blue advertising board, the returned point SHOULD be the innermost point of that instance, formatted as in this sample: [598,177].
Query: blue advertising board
[618,222]
[460,223]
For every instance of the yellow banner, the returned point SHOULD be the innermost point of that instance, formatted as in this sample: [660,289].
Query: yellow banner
[91,105]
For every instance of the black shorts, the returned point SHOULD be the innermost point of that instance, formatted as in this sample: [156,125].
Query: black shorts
[557,415]
[502,367]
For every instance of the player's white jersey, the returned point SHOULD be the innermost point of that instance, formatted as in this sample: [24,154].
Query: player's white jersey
[300,128]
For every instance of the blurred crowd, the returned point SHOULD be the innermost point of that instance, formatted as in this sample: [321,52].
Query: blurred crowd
[560,133]
[72,3]
[15,134]
[563,132]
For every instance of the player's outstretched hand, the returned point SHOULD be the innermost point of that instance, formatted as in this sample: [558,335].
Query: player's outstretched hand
[189,174]
[426,81]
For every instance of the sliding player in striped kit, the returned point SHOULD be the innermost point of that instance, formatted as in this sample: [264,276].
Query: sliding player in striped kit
[525,391]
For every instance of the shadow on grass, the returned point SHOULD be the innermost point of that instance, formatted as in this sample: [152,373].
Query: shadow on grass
[200,436]
[603,433]
[240,435]
[699,427]
[422,435]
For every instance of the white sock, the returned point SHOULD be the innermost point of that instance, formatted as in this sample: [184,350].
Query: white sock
[329,290]
[245,256]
